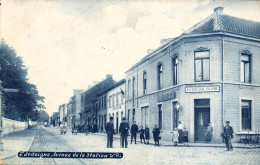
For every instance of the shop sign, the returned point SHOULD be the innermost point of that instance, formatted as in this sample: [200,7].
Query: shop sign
[215,88]
[165,97]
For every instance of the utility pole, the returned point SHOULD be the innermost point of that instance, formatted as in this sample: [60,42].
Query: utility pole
[1,118]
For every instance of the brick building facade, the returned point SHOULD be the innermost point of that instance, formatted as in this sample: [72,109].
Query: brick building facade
[116,103]
[91,105]
[207,74]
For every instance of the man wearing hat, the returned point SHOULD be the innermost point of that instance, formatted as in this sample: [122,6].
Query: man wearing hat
[228,135]
[134,130]
[110,132]
[123,130]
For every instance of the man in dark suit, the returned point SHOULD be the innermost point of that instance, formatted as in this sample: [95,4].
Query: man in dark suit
[228,135]
[156,133]
[134,130]
[123,130]
[110,132]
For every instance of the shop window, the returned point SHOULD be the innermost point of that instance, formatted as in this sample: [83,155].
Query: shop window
[245,72]
[202,70]
[246,114]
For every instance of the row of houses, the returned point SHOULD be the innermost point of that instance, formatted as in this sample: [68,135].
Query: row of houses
[210,73]
[94,106]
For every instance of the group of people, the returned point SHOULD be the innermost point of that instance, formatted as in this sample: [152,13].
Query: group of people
[180,134]
[124,132]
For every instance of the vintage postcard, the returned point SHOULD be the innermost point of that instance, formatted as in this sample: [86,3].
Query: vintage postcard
[129,82]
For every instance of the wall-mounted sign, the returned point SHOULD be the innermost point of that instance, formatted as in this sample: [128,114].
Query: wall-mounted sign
[215,88]
[166,97]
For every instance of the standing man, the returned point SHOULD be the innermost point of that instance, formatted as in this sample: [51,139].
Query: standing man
[156,133]
[228,135]
[134,130]
[110,132]
[123,130]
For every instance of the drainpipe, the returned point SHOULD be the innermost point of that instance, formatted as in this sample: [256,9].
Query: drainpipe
[125,96]
[223,102]
[136,90]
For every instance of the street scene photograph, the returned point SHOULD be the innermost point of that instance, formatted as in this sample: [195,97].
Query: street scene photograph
[93,82]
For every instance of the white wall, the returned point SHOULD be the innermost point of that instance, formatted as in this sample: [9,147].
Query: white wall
[10,126]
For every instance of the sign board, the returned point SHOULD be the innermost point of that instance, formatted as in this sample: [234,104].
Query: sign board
[165,97]
[10,90]
[215,88]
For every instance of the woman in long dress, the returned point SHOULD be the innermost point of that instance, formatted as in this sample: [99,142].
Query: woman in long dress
[180,130]
[208,135]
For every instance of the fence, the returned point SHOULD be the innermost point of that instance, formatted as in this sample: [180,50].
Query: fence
[10,126]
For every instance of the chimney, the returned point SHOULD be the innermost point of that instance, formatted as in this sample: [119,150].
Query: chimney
[109,76]
[219,10]
[149,51]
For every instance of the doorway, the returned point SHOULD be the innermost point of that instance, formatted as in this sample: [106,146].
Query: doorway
[201,118]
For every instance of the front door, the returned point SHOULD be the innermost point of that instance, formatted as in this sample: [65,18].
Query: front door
[202,118]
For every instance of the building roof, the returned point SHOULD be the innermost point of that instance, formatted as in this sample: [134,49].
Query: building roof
[217,22]
[225,23]
[116,84]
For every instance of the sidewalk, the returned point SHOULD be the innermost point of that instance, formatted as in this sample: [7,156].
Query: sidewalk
[170,143]
[17,141]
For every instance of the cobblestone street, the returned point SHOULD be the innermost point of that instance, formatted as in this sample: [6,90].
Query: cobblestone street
[134,154]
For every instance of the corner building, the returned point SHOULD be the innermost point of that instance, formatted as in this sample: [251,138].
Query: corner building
[210,73]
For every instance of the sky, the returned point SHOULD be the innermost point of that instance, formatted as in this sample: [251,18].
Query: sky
[67,45]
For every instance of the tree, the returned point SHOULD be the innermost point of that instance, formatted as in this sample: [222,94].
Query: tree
[43,116]
[13,74]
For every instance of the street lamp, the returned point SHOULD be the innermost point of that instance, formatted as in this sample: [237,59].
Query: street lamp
[177,106]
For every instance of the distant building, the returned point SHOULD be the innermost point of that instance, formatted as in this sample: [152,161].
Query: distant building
[102,111]
[89,101]
[63,114]
[116,103]
[71,113]
[55,119]
[210,73]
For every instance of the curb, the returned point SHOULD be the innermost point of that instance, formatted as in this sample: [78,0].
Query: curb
[190,144]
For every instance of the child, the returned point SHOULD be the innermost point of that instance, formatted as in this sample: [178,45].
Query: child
[141,131]
[185,137]
[175,136]
[147,134]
